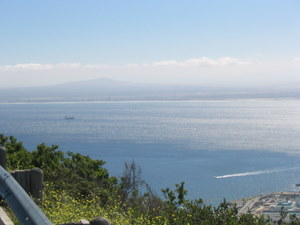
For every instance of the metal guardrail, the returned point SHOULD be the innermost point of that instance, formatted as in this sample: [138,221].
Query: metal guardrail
[25,209]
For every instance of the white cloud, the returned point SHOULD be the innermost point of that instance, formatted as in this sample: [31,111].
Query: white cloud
[202,71]
[95,66]
[203,62]
[67,65]
[165,63]
[297,59]
[26,67]
[228,61]
[38,67]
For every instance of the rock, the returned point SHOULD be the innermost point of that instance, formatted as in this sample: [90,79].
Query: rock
[100,221]
[84,221]
[81,222]
[74,223]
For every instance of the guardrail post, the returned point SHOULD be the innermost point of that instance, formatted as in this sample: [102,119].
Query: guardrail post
[31,181]
[36,183]
[3,157]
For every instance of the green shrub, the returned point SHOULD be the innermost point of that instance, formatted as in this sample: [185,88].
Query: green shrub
[77,187]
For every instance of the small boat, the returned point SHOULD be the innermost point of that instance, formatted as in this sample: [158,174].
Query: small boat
[69,117]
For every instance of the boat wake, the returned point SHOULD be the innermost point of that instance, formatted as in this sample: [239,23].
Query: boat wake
[257,172]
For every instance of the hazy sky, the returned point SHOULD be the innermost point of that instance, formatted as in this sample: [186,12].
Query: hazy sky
[205,42]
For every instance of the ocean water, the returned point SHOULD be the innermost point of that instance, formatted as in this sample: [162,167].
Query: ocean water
[229,149]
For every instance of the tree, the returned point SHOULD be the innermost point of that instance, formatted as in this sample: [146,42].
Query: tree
[47,158]
[131,181]
[18,157]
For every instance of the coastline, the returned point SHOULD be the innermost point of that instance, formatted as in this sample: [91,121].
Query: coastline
[271,205]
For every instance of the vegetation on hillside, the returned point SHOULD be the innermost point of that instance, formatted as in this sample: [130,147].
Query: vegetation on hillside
[77,187]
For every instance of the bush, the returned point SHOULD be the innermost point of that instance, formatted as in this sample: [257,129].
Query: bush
[77,186]
[72,172]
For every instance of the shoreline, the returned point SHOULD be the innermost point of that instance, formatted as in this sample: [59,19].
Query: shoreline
[147,101]
[271,204]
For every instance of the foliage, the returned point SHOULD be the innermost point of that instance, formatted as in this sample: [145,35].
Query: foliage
[19,156]
[72,172]
[47,158]
[62,208]
[77,186]
[178,210]
[131,183]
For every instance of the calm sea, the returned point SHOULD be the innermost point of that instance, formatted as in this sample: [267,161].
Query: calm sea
[221,149]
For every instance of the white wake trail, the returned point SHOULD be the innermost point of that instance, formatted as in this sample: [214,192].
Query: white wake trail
[257,172]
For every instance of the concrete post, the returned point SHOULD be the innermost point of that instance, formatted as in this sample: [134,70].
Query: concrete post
[31,181]
[36,183]
[3,157]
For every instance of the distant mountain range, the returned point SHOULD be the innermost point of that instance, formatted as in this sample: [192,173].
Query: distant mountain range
[109,90]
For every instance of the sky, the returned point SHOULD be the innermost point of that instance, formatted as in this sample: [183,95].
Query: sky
[199,42]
